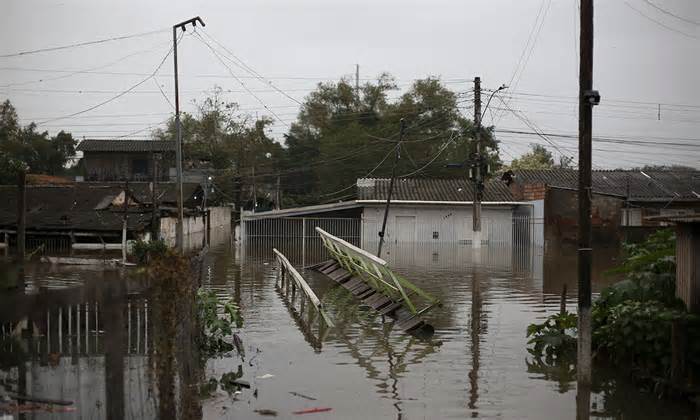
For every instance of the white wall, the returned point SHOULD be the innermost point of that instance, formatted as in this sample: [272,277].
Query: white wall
[452,223]
[219,217]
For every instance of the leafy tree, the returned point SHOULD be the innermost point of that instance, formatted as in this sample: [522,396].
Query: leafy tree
[538,158]
[28,149]
[234,147]
[343,133]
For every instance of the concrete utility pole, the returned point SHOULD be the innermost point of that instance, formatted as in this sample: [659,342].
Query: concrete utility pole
[357,79]
[179,240]
[587,99]
[478,181]
[397,156]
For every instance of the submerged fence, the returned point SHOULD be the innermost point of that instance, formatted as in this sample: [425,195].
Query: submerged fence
[297,237]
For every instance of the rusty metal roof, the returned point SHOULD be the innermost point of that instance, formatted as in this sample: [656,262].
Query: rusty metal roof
[652,185]
[126,145]
[427,189]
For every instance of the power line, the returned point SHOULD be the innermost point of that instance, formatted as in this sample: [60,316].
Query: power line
[116,96]
[71,73]
[669,13]
[199,37]
[661,24]
[250,70]
[393,149]
[439,152]
[81,44]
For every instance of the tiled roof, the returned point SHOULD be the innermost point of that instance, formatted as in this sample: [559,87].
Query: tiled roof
[426,189]
[78,206]
[54,208]
[127,145]
[660,185]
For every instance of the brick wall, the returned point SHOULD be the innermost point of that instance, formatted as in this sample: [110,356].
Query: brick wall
[561,218]
[529,191]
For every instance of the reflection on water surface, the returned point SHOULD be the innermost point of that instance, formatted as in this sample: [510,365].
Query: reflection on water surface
[92,336]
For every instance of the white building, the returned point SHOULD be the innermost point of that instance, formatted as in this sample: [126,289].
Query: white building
[436,211]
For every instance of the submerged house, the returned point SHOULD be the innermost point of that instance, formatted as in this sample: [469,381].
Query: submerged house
[436,211]
[85,215]
[127,160]
[623,201]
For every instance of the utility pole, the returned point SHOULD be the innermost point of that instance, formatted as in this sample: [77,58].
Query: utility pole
[278,195]
[397,156]
[21,223]
[178,145]
[478,182]
[255,189]
[357,79]
[587,99]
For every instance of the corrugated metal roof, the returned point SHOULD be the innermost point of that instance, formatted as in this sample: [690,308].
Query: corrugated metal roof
[426,189]
[126,145]
[638,185]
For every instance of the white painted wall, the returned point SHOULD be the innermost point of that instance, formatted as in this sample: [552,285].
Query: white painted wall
[453,224]
[220,218]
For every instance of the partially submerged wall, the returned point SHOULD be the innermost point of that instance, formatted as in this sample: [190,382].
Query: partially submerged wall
[219,217]
[561,218]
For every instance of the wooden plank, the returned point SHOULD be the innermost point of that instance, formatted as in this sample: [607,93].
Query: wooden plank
[337,274]
[410,323]
[344,278]
[367,294]
[390,308]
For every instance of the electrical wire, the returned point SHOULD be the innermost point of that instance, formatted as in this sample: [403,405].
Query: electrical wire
[393,149]
[81,44]
[72,73]
[199,37]
[669,13]
[659,23]
[442,149]
[241,64]
[116,96]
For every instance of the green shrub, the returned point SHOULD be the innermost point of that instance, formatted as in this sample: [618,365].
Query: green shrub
[144,251]
[218,318]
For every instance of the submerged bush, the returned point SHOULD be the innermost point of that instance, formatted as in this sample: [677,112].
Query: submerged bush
[217,319]
[631,320]
[145,251]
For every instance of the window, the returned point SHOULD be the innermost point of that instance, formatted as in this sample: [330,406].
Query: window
[436,235]
[140,167]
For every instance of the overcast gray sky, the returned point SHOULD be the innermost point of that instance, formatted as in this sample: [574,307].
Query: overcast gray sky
[646,53]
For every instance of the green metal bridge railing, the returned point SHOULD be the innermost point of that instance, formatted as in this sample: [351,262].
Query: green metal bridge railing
[376,273]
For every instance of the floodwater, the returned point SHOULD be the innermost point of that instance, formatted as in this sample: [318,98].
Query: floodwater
[92,337]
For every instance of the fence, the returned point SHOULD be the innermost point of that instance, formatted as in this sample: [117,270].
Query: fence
[79,330]
[295,237]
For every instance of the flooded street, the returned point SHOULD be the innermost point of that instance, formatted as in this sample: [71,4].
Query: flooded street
[476,365]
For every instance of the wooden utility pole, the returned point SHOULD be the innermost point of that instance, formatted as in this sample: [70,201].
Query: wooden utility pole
[478,181]
[587,99]
[397,156]
[278,195]
[155,220]
[125,221]
[179,235]
[21,215]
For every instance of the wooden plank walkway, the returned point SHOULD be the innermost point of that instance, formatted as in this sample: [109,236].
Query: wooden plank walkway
[404,319]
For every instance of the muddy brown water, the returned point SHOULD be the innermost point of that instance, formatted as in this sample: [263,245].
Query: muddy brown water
[94,333]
